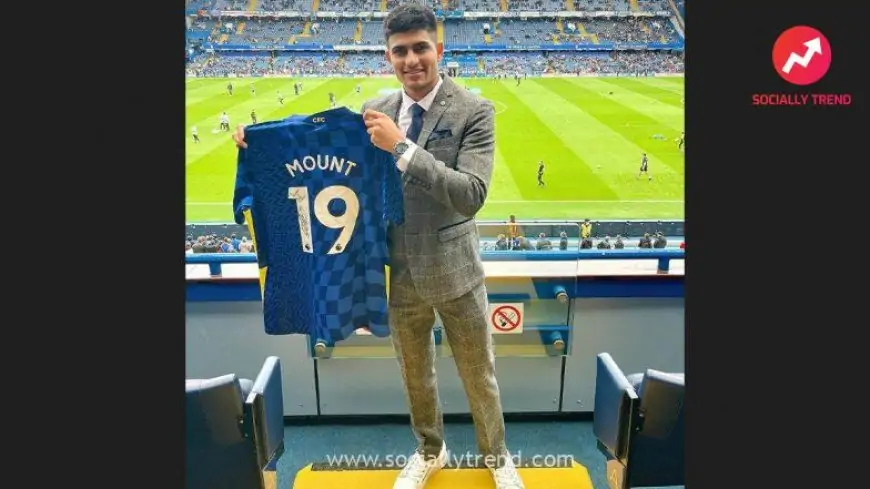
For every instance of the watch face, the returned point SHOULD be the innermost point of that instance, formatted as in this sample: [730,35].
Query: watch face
[401,148]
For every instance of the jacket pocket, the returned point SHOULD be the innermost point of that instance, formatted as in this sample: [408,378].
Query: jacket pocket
[454,231]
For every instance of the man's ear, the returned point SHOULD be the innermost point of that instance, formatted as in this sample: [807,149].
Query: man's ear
[440,50]
[387,56]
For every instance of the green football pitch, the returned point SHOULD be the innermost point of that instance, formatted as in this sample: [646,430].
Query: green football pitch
[590,133]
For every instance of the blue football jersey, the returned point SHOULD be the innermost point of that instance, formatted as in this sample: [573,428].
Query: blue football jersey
[321,197]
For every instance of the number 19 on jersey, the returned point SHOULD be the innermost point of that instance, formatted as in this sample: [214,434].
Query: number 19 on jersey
[346,221]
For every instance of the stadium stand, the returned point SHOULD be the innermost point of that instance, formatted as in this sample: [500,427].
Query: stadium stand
[481,37]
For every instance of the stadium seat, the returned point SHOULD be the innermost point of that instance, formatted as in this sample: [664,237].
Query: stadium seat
[639,425]
[235,430]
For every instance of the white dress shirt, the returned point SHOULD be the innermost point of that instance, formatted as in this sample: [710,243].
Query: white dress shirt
[405,117]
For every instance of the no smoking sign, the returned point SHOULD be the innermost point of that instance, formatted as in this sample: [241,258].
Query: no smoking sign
[506,318]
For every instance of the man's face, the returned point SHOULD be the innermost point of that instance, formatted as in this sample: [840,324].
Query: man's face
[415,56]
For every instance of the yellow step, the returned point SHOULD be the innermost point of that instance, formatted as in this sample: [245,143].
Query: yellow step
[383,5]
[315,4]
[574,476]
[440,30]
[252,5]
[503,5]
[240,28]
[487,38]
[569,5]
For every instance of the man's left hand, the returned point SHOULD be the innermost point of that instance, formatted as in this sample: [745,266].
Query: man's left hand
[383,131]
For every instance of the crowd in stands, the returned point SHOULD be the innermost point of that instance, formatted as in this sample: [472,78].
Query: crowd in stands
[634,30]
[542,242]
[308,64]
[269,32]
[437,5]
[285,5]
[532,64]
[509,236]
[617,62]
[216,66]
[242,244]
[624,33]
[213,243]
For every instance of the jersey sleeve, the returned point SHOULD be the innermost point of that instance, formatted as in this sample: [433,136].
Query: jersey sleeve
[243,197]
[394,201]
[243,212]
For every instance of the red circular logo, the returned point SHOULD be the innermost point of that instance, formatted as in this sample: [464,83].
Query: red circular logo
[801,55]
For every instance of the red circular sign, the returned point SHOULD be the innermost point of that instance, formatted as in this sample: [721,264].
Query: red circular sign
[506,318]
[801,55]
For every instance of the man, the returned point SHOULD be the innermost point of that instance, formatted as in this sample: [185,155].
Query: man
[586,229]
[644,167]
[447,163]
[620,244]
[443,140]
[544,243]
[513,229]
[644,241]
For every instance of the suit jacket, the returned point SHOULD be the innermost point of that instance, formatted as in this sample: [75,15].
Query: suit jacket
[444,186]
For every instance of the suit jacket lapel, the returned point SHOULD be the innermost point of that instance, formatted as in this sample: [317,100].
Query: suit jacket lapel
[394,105]
[439,106]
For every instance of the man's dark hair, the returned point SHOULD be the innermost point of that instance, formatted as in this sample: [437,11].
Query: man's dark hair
[410,17]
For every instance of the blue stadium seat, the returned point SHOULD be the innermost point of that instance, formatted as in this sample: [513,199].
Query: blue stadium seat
[639,425]
[235,430]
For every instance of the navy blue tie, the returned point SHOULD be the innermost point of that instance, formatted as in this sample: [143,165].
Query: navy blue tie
[416,122]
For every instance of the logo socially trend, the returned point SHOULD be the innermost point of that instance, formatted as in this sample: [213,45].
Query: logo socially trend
[802,55]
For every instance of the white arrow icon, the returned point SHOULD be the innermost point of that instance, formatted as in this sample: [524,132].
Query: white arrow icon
[814,46]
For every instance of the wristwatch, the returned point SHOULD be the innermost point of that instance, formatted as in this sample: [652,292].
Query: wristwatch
[401,147]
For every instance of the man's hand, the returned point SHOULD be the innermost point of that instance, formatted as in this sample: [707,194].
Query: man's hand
[383,131]
[239,137]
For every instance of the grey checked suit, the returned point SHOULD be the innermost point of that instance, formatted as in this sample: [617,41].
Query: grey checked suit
[435,264]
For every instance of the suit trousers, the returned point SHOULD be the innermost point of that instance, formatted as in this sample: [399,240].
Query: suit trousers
[465,325]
